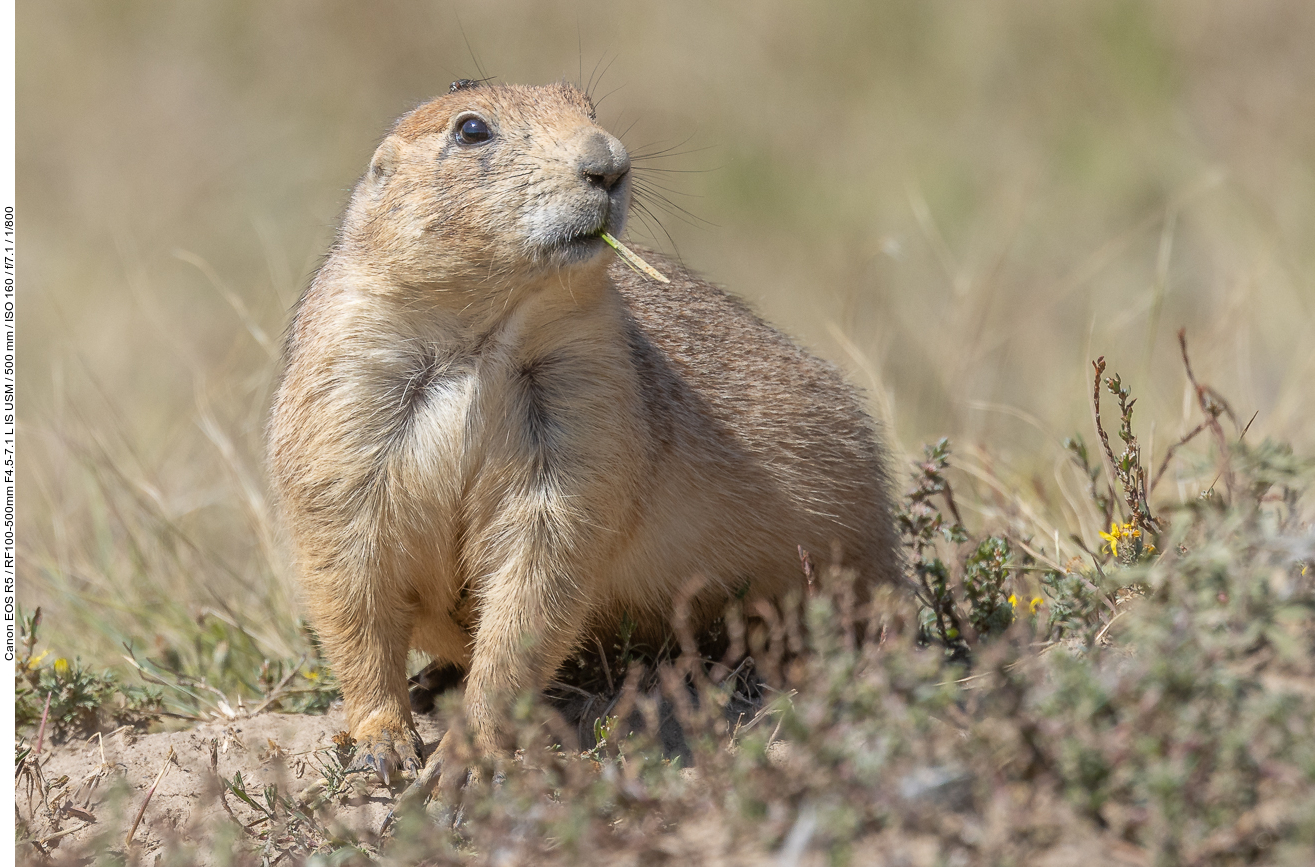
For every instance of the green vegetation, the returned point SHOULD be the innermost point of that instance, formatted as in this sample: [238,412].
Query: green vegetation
[60,698]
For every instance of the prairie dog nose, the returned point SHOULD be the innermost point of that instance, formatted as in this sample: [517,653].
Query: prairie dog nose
[603,159]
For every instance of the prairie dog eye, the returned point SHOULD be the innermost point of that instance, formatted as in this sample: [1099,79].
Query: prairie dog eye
[473,130]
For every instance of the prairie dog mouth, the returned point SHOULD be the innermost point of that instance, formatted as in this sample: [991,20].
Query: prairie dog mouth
[576,237]
[568,228]
[595,234]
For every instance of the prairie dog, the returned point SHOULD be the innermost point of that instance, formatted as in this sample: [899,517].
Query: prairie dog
[492,440]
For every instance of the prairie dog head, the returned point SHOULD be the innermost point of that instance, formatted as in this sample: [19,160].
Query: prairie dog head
[491,184]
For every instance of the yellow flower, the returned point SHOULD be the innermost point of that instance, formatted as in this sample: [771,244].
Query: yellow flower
[1112,537]
[35,661]
[1119,532]
[61,666]
[1013,601]
[1036,603]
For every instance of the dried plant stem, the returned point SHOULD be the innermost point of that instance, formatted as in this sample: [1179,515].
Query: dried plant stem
[41,732]
[607,670]
[1099,365]
[1127,468]
[219,781]
[1212,406]
[806,561]
[46,841]
[164,769]
[1168,455]
[277,692]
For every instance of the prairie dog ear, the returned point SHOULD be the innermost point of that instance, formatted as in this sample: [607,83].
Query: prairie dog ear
[384,162]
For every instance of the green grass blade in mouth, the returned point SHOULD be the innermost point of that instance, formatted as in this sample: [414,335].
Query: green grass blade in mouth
[629,257]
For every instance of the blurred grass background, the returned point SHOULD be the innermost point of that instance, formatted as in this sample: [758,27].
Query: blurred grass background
[960,203]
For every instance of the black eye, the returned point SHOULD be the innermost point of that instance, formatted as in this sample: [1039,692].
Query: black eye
[473,131]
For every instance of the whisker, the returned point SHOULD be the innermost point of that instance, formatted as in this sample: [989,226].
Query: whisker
[673,171]
[648,234]
[601,76]
[589,88]
[673,209]
[646,184]
[599,101]
[644,215]
[668,152]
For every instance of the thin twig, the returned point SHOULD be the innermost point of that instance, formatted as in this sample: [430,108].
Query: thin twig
[806,561]
[92,780]
[127,841]
[949,501]
[45,841]
[277,692]
[151,677]
[1212,405]
[1127,469]
[223,787]
[1168,455]
[1095,560]
[34,766]
[1243,434]
[1205,391]
[567,687]
[602,658]
[41,732]
[1099,365]
[1106,628]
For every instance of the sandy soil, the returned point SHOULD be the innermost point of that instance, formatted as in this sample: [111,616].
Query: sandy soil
[85,782]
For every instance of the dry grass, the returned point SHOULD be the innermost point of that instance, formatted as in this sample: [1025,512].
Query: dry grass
[963,204]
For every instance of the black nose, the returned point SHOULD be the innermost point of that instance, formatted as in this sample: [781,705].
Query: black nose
[603,160]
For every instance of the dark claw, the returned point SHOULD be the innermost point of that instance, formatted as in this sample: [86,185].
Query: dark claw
[383,755]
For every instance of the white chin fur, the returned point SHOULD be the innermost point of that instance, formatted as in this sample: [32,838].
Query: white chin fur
[552,225]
